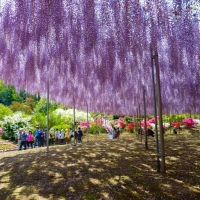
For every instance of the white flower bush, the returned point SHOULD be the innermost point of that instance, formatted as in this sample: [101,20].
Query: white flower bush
[80,116]
[12,123]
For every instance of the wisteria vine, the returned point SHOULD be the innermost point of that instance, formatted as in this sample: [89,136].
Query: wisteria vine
[98,51]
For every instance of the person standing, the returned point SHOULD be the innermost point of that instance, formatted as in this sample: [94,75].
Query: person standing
[37,137]
[75,136]
[19,136]
[62,136]
[42,138]
[23,137]
[29,139]
[57,136]
[80,134]
[70,135]
[118,132]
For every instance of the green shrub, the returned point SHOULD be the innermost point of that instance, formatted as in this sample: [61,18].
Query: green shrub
[62,127]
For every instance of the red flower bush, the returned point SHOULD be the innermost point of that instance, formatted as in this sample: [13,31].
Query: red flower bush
[130,127]
[176,124]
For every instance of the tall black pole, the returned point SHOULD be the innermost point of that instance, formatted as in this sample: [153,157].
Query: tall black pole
[74,124]
[162,147]
[47,136]
[145,122]
[87,123]
[137,132]
[140,124]
[155,111]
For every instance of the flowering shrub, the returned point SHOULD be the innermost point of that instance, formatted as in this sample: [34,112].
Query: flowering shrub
[152,121]
[120,123]
[176,124]
[84,125]
[197,121]
[142,123]
[11,124]
[166,125]
[69,115]
[189,122]
[130,127]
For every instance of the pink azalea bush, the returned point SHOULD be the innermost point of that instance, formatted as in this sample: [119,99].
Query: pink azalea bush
[84,125]
[189,122]
[120,122]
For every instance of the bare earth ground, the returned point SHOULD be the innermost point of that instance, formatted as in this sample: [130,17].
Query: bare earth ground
[104,169]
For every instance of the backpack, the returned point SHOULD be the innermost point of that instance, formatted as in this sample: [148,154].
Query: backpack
[30,138]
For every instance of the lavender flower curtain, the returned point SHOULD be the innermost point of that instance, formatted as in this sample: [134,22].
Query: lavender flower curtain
[98,51]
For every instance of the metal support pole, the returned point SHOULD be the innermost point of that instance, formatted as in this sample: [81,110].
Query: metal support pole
[162,148]
[74,124]
[47,136]
[155,112]
[145,122]
[87,124]
[137,124]
[140,125]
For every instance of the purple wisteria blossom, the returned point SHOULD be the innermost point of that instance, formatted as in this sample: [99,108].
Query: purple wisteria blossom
[98,52]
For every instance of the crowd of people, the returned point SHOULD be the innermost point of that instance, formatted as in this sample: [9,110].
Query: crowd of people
[39,137]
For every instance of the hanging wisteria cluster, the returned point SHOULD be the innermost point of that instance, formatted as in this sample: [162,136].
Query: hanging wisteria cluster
[98,51]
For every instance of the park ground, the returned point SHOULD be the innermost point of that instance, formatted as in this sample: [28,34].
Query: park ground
[103,169]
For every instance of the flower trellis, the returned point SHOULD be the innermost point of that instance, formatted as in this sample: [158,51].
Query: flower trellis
[98,52]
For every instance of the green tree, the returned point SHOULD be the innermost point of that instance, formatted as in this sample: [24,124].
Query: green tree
[8,94]
[41,106]
[4,111]
[17,106]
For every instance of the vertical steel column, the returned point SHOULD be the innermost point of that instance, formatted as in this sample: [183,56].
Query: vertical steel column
[140,125]
[87,123]
[162,147]
[145,122]
[137,123]
[74,124]
[155,111]
[47,136]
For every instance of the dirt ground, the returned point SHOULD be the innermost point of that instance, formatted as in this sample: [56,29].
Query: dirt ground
[106,169]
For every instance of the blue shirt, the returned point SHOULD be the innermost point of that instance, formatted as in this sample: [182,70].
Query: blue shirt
[23,137]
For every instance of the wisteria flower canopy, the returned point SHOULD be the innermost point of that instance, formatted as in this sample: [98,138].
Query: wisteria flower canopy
[98,51]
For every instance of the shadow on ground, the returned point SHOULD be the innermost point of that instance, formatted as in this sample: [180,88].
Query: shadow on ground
[117,169]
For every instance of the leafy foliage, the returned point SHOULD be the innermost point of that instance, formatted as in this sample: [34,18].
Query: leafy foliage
[4,111]
[17,106]
[8,94]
